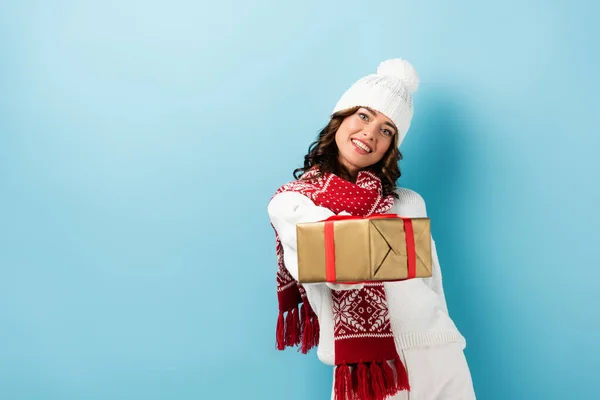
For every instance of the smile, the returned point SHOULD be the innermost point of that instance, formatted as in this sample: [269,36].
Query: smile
[361,146]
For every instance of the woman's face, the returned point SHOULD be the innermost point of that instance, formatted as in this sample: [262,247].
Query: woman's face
[363,138]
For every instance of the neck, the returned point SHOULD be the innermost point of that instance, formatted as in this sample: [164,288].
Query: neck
[346,173]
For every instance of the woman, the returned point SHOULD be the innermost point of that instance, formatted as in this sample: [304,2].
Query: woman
[391,340]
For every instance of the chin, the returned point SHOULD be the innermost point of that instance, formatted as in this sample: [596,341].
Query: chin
[362,166]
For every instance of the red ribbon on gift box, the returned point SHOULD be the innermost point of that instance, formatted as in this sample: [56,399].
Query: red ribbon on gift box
[330,272]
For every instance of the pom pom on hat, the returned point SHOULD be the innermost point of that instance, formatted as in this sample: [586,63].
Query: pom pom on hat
[402,70]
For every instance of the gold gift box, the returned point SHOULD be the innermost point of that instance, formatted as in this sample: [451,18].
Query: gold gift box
[365,249]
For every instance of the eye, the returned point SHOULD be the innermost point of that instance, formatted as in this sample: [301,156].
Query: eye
[363,116]
[387,132]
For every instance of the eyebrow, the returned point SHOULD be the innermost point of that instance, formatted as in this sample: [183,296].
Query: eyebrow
[385,123]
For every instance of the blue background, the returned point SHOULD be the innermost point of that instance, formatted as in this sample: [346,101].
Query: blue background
[141,141]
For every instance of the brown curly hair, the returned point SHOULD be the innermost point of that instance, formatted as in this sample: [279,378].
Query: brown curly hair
[323,154]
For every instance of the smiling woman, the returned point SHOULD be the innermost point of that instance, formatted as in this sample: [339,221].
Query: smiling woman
[384,339]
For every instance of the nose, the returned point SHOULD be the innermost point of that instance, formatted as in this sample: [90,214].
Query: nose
[368,133]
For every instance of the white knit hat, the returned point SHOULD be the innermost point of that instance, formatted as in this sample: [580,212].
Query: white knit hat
[389,91]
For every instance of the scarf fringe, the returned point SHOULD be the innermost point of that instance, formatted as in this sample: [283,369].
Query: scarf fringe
[370,381]
[311,331]
[380,390]
[292,328]
[402,375]
[343,383]
[298,328]
[280,333]
[389,379]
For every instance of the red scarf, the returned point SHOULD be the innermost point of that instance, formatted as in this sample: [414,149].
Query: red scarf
[365,352]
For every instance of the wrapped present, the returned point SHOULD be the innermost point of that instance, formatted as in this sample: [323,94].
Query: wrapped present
[348,249]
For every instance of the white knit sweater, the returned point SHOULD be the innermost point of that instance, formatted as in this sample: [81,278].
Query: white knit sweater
[417,307]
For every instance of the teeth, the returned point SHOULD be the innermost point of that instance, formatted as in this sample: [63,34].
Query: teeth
[361,146]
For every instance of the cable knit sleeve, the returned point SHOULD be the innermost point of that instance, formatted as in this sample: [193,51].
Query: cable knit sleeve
[411,204]
[285,211]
